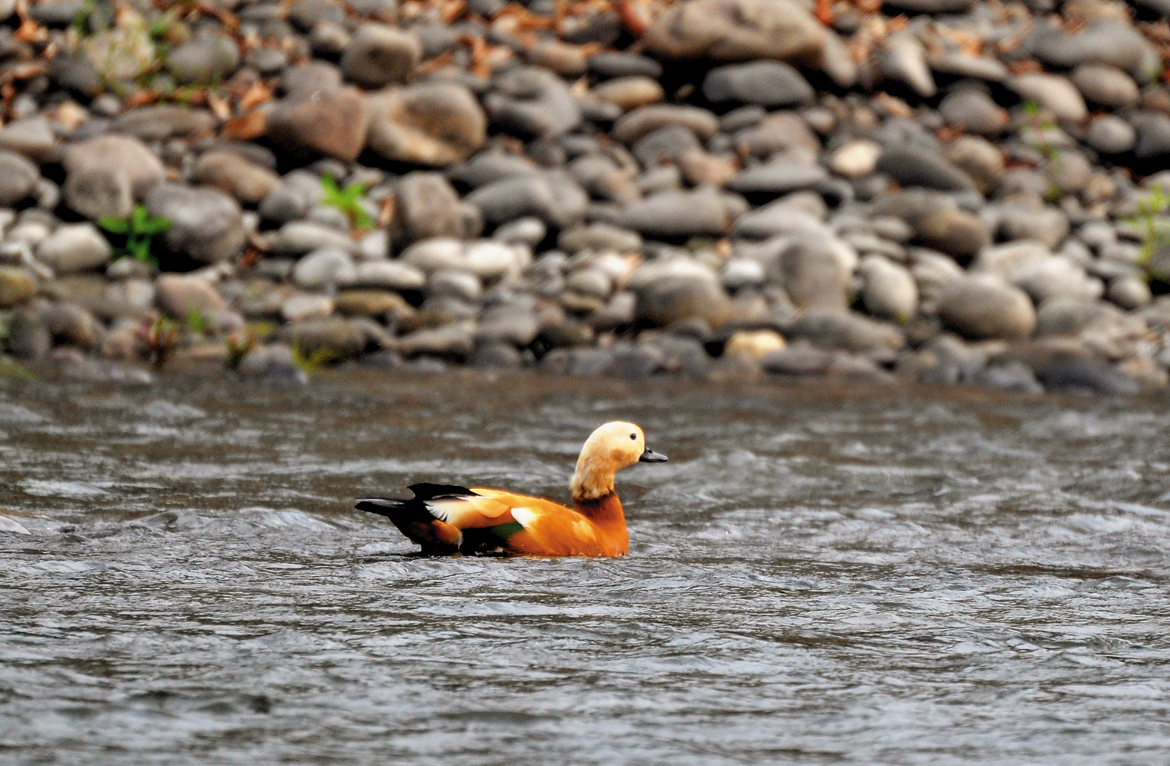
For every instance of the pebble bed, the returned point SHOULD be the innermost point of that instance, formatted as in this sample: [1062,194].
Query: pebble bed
[941,191]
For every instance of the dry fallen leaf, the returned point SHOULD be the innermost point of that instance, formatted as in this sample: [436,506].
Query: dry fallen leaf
[245,127]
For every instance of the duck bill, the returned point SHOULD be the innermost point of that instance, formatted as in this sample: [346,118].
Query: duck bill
[650,456]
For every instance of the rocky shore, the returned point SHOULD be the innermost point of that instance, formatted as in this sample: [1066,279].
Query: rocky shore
[946,191]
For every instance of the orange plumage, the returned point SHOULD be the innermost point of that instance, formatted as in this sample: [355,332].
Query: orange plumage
[447,519]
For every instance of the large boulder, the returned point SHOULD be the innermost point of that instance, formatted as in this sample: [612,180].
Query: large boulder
[206,225]
[436,124]
[984,306]
[105,176]
[332,122]
[736,30]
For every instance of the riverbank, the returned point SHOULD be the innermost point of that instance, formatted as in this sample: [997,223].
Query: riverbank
[925,190]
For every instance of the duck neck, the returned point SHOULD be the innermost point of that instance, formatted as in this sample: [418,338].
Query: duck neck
[606,512]
[592,481]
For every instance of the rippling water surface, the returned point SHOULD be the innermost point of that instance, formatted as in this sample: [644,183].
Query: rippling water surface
[817,576]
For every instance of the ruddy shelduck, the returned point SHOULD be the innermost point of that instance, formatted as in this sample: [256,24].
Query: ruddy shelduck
[447,519]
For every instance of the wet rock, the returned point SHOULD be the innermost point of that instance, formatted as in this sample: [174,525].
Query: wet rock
[1054,93]
[767,83]
[797,360]
[911,167]
[105,175]
[16,286]
[888,289]
[675,291]
[983,306]
[496,356]
[71,325]
[532,103]
[974,111]
[428,206]
[271,361]
[1067,366]
[556,200]
[28,338]
[436,124]
[31,137]
[206,224]
[1105,86]
[736,30]
[73,248]
[754,344]
[453,340]
[830,328]
[1008,376]
[332,122]
[378,55]
[1109,134]
[392,275]
[229,172]
[678,214]
[205,60]
[323,268]
[333,338]
[510,324]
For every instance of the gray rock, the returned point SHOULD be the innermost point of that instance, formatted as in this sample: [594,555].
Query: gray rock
[767,83]
[332,122]
[496,356]
[28,338]
[71,325]
[675,291]
[532,103]
[629,92]
[678,214]
[611,64]
[779,217]
[1105,86]
[937,222]
[299,237]
[1109,134]
[106,175]
[454,340]
[1008,376]
[332,338]
[556,200]
[206,59]
[179,296]
[1053,92]
[1130,293]
[507,323]
[526,231]
[903,59]
[599,236]
[271,362]
[393,275]
[1101,41]
[73,248]
[814,272]
[207,225]
[958,64]
[229,172]
[428,206]
[302,308]
[158,123]
[974,111]
[911,167]
[829,328]
[736,30]
[18,178]
[930,7]
[460,285]
[1057,277]
[1043,224]
[640,123]
[378,55]
[1008,259]
[668,144]
[1066,366]
[1153,135]
[31,137]
[978,158]
[888,289]
[324,268]
[855,159]
[777,177]
[797,360]
[983,306]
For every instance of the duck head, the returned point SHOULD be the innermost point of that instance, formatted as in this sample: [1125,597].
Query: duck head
[609,449]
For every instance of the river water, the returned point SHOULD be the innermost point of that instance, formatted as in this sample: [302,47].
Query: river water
[818,575]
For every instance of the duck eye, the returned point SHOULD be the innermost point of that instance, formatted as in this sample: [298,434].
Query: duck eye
[634,437]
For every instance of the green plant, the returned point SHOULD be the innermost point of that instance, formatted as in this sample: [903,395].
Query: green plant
[238,345]
[1148,209]
[348,201]
[197,322]
[10,368]
[309,362]
[139,230]
[161,339]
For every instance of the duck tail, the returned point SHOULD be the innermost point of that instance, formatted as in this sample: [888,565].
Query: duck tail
[415,520]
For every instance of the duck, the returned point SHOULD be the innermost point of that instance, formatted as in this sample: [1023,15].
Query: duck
[446,519]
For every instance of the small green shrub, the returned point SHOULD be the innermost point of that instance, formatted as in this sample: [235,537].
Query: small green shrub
[139,231]
[348,201]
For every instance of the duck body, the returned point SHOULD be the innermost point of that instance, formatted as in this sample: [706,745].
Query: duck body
[446,519]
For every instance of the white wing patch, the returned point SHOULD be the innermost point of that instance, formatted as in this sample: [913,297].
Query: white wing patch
[442,508]
[526,517]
